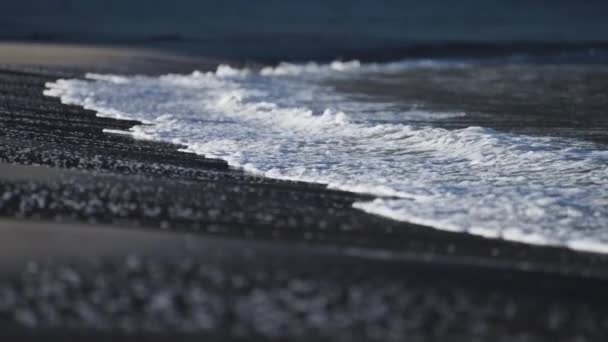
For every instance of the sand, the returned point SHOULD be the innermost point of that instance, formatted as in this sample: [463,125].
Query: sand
[99,58]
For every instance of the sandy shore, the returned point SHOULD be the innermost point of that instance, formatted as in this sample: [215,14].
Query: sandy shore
[188,245]
[99,58]
[66,55]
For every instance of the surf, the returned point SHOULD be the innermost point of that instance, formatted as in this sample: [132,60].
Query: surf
[288,122]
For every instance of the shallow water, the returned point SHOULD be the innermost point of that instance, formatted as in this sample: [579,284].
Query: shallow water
[513,151]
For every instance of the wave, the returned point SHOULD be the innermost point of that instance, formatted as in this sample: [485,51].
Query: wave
[285,122]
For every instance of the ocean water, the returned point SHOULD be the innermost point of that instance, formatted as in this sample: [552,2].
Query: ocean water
[501,149]
[274,30]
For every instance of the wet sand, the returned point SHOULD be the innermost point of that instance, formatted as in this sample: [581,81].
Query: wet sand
[188,247]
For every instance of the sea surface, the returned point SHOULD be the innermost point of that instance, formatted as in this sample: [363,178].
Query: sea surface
[512,146]
[292,30]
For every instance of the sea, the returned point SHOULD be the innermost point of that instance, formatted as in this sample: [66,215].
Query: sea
[486,118]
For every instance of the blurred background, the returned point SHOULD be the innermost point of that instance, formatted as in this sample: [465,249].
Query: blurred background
[315,29]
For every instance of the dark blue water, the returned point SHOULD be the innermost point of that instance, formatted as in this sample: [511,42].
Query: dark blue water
[321,29]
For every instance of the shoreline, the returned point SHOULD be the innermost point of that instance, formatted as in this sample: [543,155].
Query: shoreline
[102,180]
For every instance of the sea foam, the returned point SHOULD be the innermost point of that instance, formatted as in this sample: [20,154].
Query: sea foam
[286,122]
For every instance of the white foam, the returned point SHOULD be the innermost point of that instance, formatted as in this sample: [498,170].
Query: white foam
[291,69]
[286,123]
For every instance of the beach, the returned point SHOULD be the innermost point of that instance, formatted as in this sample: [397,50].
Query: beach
[107,236]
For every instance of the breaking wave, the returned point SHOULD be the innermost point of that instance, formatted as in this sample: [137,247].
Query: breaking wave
[285,122]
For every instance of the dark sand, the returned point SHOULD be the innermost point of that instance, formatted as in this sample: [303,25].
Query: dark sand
[103,236]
